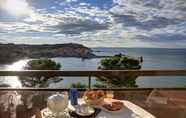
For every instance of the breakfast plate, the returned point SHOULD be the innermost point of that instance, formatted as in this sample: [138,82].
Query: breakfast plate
[113,107]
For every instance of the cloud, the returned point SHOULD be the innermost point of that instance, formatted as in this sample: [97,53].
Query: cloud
[167,38]
[78,26]
[121,23]
[77,20]
[147,14]
[155,22]
[42,22]
[71,0]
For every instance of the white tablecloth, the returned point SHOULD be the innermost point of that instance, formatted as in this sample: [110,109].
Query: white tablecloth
[129,111]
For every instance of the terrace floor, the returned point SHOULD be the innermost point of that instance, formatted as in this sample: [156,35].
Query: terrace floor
[162,103]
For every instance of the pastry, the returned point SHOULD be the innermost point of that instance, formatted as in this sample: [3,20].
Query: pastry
[113,106]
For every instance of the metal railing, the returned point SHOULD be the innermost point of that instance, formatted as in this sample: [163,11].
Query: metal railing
[90,73]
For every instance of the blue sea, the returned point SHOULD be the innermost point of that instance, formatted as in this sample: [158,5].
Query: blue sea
[153,58]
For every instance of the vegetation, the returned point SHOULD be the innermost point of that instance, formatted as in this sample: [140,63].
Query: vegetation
[16,52]
[40,81]
[77,85]
[42,64]
[118,62]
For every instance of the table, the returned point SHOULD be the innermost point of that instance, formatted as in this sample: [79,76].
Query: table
[129,111]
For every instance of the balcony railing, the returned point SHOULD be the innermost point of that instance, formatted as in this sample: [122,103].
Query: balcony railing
[91,73]
[157,101]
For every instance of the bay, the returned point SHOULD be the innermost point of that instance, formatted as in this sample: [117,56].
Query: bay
[154,58]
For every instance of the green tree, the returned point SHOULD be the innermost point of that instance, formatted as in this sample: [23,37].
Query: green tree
[40,81]
[77,85]
[118,62]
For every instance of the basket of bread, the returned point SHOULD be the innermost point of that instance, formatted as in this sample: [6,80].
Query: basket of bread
[94,97]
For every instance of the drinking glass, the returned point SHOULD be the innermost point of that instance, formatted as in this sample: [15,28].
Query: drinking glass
[110,94]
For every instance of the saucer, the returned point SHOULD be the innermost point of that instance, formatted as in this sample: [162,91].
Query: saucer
[84,110]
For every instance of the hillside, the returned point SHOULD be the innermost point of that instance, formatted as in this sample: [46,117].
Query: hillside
[14,52]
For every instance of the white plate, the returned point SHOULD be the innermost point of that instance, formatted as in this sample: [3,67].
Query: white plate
[113,112]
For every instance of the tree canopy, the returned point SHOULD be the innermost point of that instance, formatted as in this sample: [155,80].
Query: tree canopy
[40,64]
[119,62]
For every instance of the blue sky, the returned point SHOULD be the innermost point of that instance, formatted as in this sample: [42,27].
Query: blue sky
[95,23]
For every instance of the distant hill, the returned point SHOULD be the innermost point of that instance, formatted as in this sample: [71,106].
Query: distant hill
[13,52]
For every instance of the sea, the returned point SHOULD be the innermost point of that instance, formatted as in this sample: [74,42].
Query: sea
[153,58]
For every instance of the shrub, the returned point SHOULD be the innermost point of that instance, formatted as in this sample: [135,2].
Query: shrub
[119,62]
[77,85]
[40,81]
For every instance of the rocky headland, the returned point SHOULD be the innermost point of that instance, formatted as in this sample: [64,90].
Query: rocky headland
[13,52]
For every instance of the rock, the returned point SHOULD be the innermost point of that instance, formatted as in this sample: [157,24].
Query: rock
[13,52]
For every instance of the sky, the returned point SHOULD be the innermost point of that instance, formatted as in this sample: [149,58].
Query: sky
[95,23]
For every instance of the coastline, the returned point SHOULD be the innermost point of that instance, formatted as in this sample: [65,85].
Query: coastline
[13,52]
[153,59]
